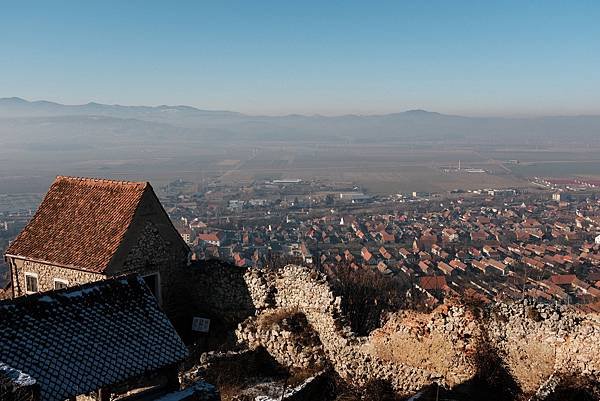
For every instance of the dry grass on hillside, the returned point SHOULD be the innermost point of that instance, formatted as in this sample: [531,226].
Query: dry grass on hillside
[268,319]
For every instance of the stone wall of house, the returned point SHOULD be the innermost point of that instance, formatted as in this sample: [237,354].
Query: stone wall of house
[46,275]
[152,253]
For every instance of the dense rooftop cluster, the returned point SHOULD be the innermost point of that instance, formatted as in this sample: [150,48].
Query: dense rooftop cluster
[494,245]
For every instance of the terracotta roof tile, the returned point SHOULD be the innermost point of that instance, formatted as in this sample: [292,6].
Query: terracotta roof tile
[432,282]
[563,279]
[80,223]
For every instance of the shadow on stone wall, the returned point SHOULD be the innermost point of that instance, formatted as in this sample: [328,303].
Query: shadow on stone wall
[217,291]
[493,380]
[573,388]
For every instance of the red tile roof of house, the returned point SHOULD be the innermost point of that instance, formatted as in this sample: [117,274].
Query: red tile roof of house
[443,266]
[209,237]
[433,282]
[478,235]
[425,267]
[563,279]
[80,223]
[457,264]
[479,265]
[364,252]
[497,264]
[387,237]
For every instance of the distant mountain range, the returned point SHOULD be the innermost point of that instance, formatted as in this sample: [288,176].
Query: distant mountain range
[21,120]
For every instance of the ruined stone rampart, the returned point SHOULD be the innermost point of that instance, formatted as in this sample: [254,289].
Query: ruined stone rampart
[308,291]
[537,344]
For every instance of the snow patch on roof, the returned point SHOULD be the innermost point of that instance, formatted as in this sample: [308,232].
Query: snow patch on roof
[16,376]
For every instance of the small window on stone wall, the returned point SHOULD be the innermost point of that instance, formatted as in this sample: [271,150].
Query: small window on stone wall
[31,283]
[60,283]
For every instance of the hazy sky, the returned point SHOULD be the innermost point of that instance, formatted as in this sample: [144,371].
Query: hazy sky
[330,57]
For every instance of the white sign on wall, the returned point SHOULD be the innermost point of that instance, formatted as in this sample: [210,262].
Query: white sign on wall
[201,324]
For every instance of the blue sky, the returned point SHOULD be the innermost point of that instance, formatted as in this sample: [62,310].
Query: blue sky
[276,57]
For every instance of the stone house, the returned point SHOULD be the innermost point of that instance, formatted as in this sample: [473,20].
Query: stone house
[90,229]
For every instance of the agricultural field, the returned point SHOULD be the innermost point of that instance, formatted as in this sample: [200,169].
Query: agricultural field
[377,168]
[557,169]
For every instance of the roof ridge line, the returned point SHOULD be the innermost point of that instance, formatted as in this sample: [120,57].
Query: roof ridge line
[100,181]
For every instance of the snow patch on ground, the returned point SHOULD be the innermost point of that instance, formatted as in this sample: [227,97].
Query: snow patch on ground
[288,392]
[198,388]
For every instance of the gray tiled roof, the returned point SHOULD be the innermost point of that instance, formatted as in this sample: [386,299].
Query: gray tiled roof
[79,339]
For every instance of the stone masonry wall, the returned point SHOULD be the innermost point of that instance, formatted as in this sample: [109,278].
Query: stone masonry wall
[151,253]
[227,292]
[444,341]
[307,291]
[46,275]
[541,343]
[287,337]
[537,343]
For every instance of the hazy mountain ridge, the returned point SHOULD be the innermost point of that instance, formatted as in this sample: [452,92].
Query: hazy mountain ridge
[188,123]
[18,107]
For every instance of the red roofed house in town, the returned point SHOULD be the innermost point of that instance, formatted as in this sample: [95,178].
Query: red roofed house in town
[89,229]
[433,283]
[445,268]
[384,236]
[211,238]
[482,266]
[449,235]
[499,266]
[425,267]
[426,241]
[457,264]
[562,279]
[478,235]
[366,255]
[384,253]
